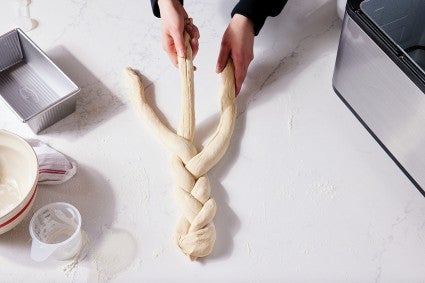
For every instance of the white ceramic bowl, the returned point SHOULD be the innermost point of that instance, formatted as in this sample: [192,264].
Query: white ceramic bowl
[18,179]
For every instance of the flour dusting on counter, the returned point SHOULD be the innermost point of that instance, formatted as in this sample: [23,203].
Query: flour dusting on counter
[290,122]
[114,253]
[71,267]
[324,189]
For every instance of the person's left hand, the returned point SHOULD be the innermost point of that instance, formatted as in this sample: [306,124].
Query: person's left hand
[237,43]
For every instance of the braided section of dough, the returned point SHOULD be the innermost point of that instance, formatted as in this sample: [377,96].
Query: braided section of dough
[195,233]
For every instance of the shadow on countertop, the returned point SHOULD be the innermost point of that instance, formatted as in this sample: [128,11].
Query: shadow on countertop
[309,28]
[286,41]
[149,92]
[95,105]
[88,191]
[228,223]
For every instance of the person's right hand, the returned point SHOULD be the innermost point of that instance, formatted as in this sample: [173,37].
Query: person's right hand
[173,17]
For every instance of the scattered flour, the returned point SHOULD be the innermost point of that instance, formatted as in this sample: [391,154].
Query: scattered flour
[290,122]
[113,254]
[324,189]
[82,253]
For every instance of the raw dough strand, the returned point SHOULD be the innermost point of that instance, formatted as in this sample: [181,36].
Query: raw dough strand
[186,127]
[195,233]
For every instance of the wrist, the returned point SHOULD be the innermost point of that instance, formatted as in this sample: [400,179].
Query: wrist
[244,22]
[161,2]
[166,2]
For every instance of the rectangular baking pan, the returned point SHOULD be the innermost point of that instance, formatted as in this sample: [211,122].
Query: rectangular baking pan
[31,84]
[379,75]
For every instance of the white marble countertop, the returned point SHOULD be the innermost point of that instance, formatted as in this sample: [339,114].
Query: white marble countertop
[304,193]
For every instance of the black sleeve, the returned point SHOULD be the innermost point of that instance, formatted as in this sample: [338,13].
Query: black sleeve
[155,7]
[258,10]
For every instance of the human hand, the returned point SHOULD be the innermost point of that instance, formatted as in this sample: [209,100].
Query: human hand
[238,43]
[173,17]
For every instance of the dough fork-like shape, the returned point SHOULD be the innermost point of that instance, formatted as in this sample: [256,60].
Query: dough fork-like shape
[195,233]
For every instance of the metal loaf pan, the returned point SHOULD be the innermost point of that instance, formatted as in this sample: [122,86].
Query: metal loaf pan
[31,84]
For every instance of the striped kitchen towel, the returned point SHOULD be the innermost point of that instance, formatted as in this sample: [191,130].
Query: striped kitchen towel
[54,167]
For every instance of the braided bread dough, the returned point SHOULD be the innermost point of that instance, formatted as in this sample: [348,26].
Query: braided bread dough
[195,233]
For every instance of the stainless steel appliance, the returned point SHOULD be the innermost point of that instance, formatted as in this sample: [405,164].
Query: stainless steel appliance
[379,74]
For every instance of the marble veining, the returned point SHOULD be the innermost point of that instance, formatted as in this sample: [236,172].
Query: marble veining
[304,193]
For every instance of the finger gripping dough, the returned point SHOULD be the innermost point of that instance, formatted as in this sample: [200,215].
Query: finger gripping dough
[195,233]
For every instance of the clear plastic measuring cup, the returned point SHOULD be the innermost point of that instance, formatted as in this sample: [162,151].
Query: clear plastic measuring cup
[55,230]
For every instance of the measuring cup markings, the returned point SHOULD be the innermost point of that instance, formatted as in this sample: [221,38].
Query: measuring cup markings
[56,231]
[56,226]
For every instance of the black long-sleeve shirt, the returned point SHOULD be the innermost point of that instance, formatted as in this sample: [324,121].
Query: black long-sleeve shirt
[255,10]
